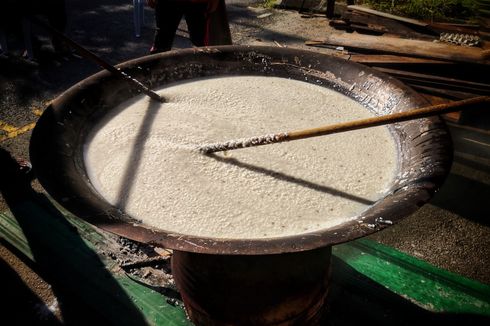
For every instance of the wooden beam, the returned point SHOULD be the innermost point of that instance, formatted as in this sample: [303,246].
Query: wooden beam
[411,48]
[388,25]
[393,59]
[429,27]
[449,94]
[470,85]
[390,16]
[472,92]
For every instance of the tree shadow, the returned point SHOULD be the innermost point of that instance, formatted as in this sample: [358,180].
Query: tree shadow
[134,158]
[103,26]
[78,277]
[106,28]
[247,20]
[34,311]
[355,299]
[291,179]
[465,197]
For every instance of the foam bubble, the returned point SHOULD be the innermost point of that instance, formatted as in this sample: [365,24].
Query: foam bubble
[144,159]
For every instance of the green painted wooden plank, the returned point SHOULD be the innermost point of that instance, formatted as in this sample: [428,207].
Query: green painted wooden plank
[153,304]
[66,254]
[10,231]
[42,232]
[429,287]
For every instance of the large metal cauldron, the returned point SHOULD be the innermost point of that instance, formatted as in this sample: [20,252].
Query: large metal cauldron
[280,281]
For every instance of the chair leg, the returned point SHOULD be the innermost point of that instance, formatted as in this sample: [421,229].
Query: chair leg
[26,30]
[142,12]
[138,16]
[3,42]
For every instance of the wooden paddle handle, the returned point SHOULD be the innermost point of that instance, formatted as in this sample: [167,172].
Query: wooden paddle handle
[390,118]
[346,126]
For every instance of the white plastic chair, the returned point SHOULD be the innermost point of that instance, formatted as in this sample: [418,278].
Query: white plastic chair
[138,16]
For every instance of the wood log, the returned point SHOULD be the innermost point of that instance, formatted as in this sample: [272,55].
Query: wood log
[390,16]
[411,48]
[377,59]
[449,94]
[451,28]
[368,29]
[443,87]
[350,27]
[387,25]
[435,28]
[466,84]
[338,23]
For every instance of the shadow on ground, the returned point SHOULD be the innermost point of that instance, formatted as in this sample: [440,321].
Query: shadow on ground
[465,197]
[460,194]
[78,277]
[19,295]
[355,299]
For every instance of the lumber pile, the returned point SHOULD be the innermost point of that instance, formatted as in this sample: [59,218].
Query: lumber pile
[437,69]
[425,56]
[369,21]
[410,47]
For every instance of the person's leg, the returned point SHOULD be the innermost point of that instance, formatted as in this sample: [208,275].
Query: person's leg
[7,10]
[218,27]
[27,32]
[3,42]
[196,19]
[55,12]
[167,16]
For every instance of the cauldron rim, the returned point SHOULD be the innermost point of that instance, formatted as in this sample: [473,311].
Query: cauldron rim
[59,167]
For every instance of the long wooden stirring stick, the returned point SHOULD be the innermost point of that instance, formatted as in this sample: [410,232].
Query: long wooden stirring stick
[345,126]
[98,60]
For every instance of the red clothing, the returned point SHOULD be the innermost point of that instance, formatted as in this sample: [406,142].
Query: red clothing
[206,20]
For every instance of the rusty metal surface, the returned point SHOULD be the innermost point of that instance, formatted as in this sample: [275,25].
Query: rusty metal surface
[283,290]
[56,147]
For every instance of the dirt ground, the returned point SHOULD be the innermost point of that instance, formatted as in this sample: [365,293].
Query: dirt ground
[452,232]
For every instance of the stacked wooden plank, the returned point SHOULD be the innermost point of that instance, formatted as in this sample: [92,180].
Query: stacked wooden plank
[369,21]
[410,50]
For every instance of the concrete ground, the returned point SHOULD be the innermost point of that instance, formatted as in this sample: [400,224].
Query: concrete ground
[452,232]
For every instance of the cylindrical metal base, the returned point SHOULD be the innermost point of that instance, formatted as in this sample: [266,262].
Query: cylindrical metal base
[283,289]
